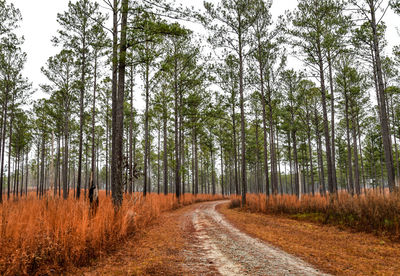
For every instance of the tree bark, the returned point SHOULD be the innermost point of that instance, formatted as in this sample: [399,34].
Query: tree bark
[118,102]
[382,102]
[242,117]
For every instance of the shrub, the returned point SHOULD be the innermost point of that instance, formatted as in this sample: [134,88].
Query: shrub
[234,203]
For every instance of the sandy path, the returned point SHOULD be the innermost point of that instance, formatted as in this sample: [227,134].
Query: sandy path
[217,245]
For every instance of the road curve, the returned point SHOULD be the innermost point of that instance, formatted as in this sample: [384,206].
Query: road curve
[217,247]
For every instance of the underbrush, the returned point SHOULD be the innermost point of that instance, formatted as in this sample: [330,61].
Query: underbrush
[41,236]
[370,213]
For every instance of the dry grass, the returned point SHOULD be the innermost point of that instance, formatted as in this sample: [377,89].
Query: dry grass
[371,213]
[161,249]
[50,235]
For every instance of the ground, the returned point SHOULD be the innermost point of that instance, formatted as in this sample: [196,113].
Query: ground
[210,239]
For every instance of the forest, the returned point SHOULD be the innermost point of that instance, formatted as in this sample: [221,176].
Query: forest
[151,106]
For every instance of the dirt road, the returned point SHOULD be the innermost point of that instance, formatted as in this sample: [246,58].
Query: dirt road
[196,240]
[217,247]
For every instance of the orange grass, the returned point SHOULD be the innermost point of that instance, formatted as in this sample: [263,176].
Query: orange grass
[52,234]
[370,213]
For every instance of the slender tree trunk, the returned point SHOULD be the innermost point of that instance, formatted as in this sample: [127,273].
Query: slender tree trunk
[212,173]
[328,147]
[22,173]
[9,146]
[158,160]
[196,164]
[165,149]
[242,119]
[118,103]
[1,147]
[349,158]
[274,174]
[257,179]
[296,165]
[65,157]
[38,168]
[181,143]
[319,149]
[16,175]
[107,145]
[146,130]
[279,163]
[56,167]
[334,180]
[93,187]
[234,144]
[289,139]
[176,115]
[382,101]
[3,141]
[222,172]
[42,180]
[27,173]
[310,150]
[82,111]
[131,133]
[361,155]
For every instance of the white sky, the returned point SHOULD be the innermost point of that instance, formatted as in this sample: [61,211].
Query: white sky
[39,25]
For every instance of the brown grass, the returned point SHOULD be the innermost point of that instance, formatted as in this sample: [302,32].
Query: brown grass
[50,235]
[326,247]
[370,213]
[158,250]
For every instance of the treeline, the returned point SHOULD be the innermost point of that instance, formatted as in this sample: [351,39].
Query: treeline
[227,115]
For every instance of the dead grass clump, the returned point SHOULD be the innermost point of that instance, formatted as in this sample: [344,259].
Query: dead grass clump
[48,235]
[235,203]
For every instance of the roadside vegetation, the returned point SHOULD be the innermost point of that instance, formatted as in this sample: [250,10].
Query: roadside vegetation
[40,236]
[369,212]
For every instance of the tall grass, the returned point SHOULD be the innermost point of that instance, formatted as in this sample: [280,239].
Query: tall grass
[51,234]
[370,213]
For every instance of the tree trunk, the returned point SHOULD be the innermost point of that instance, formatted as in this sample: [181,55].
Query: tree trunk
[310,149]
[107,145]
[177,146]
[3,140]
[234,144]
[42,181]
[274,174]
[165,149]
[146,131]
[131,134]
[349,159]
[296,165]
[355,152]
[328,147]
[93,189]
[334,180]
[118,104]
[319,149]
[382,102]
[9,147]
[158,160]
[242,119]
[196,165]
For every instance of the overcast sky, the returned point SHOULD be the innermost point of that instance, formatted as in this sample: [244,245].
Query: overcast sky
[39,25]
